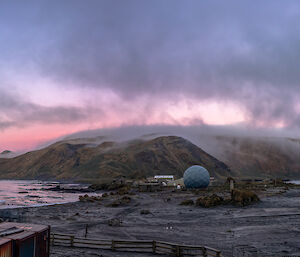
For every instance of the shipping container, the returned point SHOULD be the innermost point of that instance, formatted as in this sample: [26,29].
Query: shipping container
[5,247]
[28,240]
[23,244]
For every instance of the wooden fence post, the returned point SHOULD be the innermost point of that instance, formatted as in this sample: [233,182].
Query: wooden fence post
[178,251]
[72,241]
[154,246]
[112,245]
[86,230]
[204,252]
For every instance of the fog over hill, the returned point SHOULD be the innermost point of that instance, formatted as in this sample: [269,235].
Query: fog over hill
[248,153]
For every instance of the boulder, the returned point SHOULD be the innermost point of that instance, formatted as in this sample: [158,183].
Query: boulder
[123,190]
[115,222]
[209,201]
[87,198]
[145,212]
[113,185]
[243,197]
[187,202]
[126,199]
[123,201]
[115,203]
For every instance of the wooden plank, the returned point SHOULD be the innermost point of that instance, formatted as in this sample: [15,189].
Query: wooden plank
[164,247]
[192,247]
[148,249]
[133,242]
[161,250]
[135,250]
[63,237]
[134,246]
[108,247]
[215,254]
[80,241]
[61,240]
[60,234]
[62,244]
[165,243]
[211,249]
[86,238]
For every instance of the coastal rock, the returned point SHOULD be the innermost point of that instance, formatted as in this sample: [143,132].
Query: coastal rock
[187,202]
[243,197]
[209,201]
[145,212]
[87,198]
[126,199]
[115,203]
[114,185]
[123,191]
[123,201]
[115,222]
[104,195]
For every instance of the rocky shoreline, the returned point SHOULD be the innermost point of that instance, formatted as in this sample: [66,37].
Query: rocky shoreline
[265,228]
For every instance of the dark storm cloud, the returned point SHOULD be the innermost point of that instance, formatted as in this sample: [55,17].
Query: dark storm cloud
[242,51]
[22,113]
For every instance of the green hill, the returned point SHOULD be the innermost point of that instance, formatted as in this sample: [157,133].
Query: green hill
[134,159]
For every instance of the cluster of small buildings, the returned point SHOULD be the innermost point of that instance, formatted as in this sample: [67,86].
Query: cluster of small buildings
[194,177]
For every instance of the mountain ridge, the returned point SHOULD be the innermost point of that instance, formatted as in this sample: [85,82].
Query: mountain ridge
[133,159]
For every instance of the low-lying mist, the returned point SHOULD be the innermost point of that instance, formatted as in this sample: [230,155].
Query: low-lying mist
[216,140]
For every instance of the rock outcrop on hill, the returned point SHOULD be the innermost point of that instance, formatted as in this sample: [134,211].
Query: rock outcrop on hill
[5,153]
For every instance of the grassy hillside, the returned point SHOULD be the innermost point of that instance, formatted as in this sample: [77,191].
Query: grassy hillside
[259,157]
[134,159]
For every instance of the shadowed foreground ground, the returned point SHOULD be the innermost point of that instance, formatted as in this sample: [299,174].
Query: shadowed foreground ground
[268,228]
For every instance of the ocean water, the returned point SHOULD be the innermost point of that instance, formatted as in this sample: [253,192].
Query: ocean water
[20,193]
[296,182]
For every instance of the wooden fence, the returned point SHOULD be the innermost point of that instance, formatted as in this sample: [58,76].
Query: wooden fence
[156,247]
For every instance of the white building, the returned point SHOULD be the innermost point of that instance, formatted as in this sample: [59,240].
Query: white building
[164,177]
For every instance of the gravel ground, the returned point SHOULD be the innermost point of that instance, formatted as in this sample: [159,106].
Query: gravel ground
[268,228]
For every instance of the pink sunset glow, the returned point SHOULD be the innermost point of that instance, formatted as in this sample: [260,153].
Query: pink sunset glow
[183,113]
[66,68]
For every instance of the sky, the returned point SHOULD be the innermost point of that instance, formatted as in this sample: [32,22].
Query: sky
[73,65]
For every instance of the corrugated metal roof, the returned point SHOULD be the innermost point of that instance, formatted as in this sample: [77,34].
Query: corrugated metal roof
[164,176]
[10,231]
[4,241]
[24,226]
[22,236]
